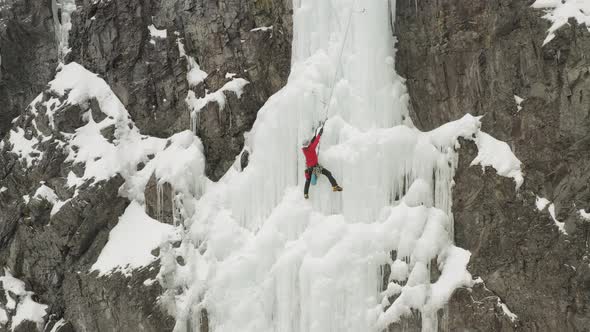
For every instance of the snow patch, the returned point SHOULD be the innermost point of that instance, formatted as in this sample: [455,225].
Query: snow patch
[23,147]
[497,154]
[518,100]
[262,29]
[560,11]
[26,308]
[158,34]
[127,249]
[585,215]
[513,318]
[46,193]
[541,203]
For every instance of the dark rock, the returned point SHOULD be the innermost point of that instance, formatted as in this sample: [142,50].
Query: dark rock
[244,158]
[68,118]
[156,252]
[122,303]
[27,326]
[28,52]
[180,260]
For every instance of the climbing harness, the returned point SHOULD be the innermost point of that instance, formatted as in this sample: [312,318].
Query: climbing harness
[315,173]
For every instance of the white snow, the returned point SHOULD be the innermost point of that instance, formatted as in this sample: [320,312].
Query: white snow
[23,147]
[560,11]
[518,100]
[262,29]
[235,85]
[230,75]
[26,308]
[497,154]
[3,189]
[185,174]
[46,193]
[506,311]
[131,241]
[194,74]
[157,34]
[3,317]
[560,225]
[541,203]
[585,215]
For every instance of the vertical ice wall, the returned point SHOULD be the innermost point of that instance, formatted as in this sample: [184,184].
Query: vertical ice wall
[62,10]
[259,257]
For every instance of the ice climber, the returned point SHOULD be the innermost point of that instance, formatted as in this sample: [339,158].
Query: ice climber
[313,168]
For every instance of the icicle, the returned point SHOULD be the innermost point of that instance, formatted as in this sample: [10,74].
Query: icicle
[159,201]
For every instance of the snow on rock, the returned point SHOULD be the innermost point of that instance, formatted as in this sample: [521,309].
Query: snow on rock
[518,100]
[585,215]
[194,74]
[541,203]
[497,154]
[3,189]
[185,173]
[262,29]
[3,317]
[157,34]
[46,193]
[26,308]
[131,241]
[102,157]
[513,318]
[560,11]
[23,147]
[560,225]
[235,85]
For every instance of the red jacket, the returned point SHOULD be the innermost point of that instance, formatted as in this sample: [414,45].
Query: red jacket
[311,156]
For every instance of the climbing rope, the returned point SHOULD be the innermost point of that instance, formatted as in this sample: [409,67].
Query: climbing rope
[329,103]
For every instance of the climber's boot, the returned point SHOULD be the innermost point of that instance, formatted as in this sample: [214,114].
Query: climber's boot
[306,196]
[336,188]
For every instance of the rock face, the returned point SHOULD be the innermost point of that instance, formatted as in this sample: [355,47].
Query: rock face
[461,56]
[464,56]
[149,74]
[28,55]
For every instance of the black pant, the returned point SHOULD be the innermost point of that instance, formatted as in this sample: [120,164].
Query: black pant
[308,178]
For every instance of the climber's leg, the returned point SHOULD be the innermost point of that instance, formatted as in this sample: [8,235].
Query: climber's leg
[307,181]
[333,182]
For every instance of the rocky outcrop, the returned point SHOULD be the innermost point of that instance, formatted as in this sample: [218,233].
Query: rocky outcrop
[149,74]
[28,55]
[474,57]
